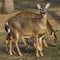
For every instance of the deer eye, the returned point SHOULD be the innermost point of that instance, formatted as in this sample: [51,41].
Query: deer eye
[40,8]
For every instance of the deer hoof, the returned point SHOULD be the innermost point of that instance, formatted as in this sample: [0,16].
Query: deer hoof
[11,54]
[46,46]
[20,54]
[41,54]
[37,55]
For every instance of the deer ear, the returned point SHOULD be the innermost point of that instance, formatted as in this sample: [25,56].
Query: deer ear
[38,6]
[47,5]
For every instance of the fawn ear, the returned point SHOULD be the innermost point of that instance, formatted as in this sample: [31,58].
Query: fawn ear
[38,6]
[47,5]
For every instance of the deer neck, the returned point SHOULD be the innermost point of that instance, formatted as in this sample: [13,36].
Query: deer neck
[44,18]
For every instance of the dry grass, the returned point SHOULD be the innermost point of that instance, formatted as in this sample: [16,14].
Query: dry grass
[50,53]
[3,18]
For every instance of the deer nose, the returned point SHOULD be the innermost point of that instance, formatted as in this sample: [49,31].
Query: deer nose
[43,12]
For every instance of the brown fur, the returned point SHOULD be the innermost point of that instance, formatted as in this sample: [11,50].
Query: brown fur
[49,28]
[33,26]
[27,26]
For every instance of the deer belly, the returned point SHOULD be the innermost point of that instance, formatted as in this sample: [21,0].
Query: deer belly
[26,33]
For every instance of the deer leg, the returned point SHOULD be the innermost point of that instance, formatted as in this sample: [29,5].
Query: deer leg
[16,43]
[44,42]
[10,39]
[13,51]
[18,48]
[24,41]
[7,46]
[37,46]
[26,45]
[40,44]
[11,47]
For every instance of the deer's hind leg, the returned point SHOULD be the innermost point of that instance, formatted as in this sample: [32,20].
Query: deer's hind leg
[7,45]
[25,40]
[36,37]
[9,40]
[11,46]
[16,43]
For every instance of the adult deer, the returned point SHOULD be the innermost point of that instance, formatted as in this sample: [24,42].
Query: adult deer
[30,27]
[43,11]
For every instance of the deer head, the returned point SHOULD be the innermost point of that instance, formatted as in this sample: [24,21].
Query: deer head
[43,10]
[53,37]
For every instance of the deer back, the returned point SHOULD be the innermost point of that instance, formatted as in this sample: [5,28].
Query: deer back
[26,25]
[28,14]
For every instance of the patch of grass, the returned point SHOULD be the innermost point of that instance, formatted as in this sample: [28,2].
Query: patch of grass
[50,53]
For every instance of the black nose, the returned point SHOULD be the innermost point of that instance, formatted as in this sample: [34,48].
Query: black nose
[43,12]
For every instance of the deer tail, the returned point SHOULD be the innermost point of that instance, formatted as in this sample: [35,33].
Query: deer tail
[7,28]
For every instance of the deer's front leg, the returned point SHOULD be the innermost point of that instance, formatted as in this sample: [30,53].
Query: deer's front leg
[40,44]
[44,42]
[37,54]
[25,40]
[18,48]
